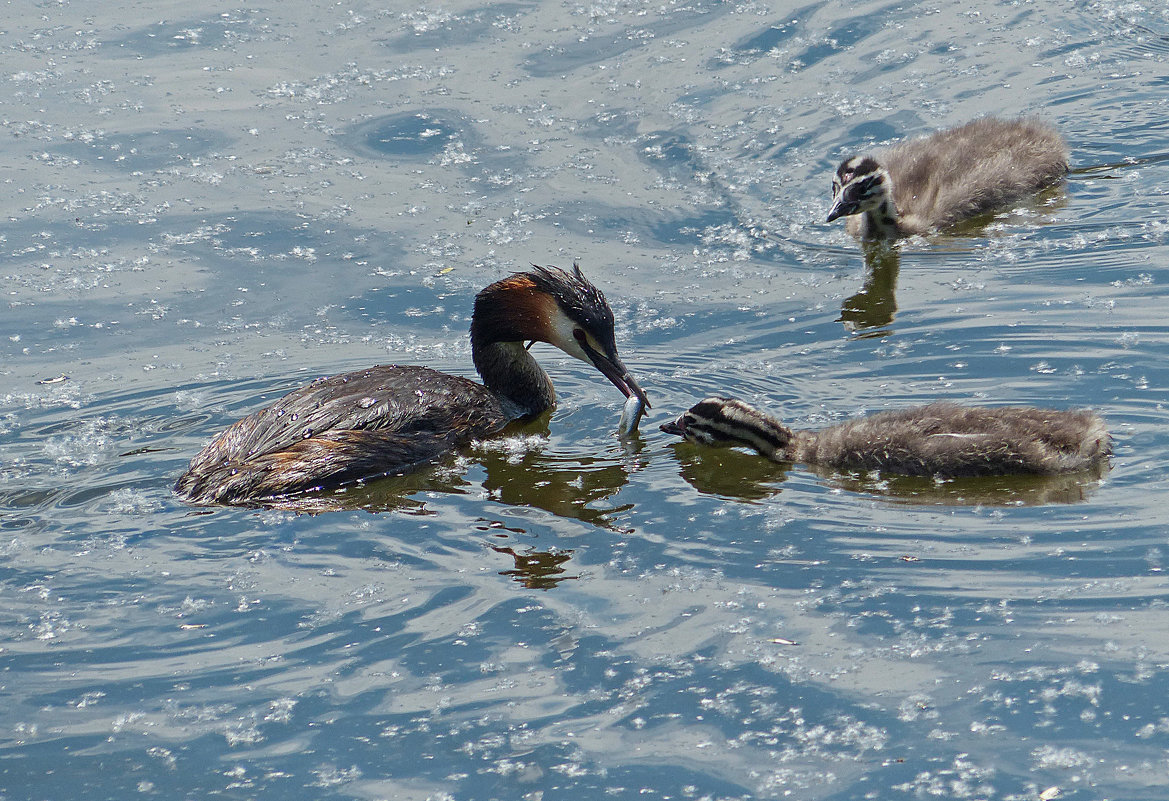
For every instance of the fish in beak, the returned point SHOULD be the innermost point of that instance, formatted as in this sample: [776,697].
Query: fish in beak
[612,368]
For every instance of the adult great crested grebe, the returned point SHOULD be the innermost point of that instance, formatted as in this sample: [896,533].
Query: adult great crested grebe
[940,180]
[388,419]
[942,439]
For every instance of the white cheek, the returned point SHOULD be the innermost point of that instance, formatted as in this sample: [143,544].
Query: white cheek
[562,337]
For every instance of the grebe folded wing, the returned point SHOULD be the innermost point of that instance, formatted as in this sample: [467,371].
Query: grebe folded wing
[370,422]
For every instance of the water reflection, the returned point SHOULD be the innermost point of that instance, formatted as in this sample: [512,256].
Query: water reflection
[537,570]
[566,486]
[1014,490]
[728,472]
[518,471]
[870,311]
[534,569]
[743,475]
[397,493]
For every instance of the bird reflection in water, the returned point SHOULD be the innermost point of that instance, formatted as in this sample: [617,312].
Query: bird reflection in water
[1015,490]
[518,471]
[537,570]
[568,486]
[869,312]
[517,468]
[728,472]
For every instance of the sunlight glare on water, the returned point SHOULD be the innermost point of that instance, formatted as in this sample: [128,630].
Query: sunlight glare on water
[206,209]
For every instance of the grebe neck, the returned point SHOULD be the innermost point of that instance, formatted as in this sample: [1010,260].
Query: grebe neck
[508,369]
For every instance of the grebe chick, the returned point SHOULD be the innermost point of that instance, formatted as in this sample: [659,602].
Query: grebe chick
[940,180]
[388,419]
[939,439]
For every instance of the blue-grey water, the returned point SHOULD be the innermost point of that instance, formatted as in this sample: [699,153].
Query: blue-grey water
[205,206]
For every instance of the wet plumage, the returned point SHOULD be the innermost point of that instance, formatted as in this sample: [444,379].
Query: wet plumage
[391,418]
[935,182]
[942,438]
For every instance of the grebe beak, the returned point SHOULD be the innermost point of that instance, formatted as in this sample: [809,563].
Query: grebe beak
[615,371]
[674,427]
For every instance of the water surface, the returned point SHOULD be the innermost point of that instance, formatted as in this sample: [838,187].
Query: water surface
[206,208]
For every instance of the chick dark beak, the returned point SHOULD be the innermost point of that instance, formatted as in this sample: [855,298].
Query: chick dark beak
[674,427]
[615,371]
[842,206]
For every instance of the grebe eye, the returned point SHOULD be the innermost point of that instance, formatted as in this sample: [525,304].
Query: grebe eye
[586,342]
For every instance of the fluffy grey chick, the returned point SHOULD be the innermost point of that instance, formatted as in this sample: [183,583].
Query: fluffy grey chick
[937,181]
[939,439]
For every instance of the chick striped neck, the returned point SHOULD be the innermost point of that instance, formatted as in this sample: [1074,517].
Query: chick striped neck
[726,421]
[881,222]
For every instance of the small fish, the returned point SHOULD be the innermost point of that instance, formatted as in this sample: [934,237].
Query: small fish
[54,380]
[631,414]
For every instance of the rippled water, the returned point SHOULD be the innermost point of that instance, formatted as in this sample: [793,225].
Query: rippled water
[206,208]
